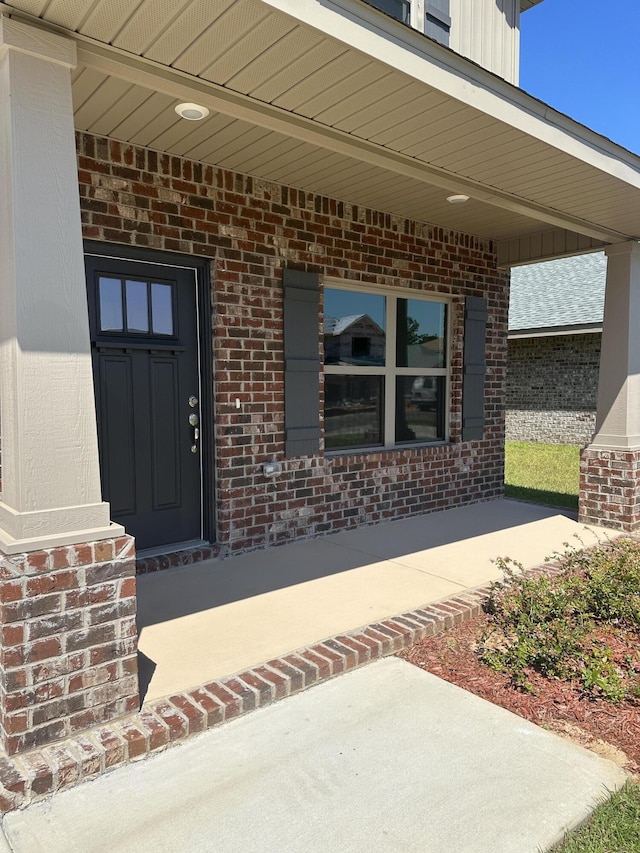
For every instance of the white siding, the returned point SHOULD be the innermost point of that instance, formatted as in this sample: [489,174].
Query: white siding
[488,32]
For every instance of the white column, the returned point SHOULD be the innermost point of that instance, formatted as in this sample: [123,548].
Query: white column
[618,420]
[51,482]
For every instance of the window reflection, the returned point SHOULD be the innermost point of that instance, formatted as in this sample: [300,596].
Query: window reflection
[353,411]
[110,290]
[162,309]
[137,307]
[400,9]
[419,408]
[354,328]
[420,340]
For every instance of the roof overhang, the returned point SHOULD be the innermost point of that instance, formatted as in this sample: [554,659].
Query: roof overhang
[555,331]
[528,4]
[299,94]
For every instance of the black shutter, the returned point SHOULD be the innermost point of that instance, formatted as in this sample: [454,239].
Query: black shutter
[474,370]
[437,24]
[302,363]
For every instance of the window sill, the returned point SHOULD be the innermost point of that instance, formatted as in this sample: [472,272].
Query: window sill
[368,451]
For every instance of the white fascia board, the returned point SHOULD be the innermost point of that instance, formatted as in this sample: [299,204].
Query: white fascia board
[555,331]
[374,34]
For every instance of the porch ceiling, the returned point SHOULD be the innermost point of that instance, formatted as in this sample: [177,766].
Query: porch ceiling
[298,94]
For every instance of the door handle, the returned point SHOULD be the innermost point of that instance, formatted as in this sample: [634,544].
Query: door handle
[194,421]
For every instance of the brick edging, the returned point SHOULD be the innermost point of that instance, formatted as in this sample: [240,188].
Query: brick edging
[29,777]
[34,775]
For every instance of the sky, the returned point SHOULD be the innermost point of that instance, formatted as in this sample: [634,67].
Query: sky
[582,57]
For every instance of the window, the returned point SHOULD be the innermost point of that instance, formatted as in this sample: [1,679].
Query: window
[431,17]
[400,9]
[133,306]
[386,369]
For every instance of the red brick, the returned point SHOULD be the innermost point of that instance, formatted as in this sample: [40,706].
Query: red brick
[248,697]
[65,765]
[337,660]
[11,591]
[135,738]
[212,708]
[196,717]
[90,756]
[263,688]
[39,560]
[279,683]
[322,664]
[176,721]
[114,746]
[40,774]
[156,731]
[11,778]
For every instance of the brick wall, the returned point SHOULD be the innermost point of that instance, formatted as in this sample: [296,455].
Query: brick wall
[609,492]
[69,641]
[251,229]
[552,388]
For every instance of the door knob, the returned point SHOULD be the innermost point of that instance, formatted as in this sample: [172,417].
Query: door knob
[193,419]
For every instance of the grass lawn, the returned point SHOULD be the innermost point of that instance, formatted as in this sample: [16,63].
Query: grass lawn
[542,473]
[614,828]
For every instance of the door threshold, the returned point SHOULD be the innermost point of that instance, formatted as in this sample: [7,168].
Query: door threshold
[177,554]
[159,550]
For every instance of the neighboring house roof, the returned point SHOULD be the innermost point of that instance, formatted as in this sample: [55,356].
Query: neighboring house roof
[337,325]
[556,297]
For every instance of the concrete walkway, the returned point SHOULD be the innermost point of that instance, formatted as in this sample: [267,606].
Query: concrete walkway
[386,758]
[198,623]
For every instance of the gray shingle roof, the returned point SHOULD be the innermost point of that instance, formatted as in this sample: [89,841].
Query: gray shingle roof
[564,292]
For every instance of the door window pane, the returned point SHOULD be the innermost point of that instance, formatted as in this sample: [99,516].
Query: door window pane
[137,307]
[420,333]
[162,309]
[353,411]
[419,408]
[110,304]
[354,328]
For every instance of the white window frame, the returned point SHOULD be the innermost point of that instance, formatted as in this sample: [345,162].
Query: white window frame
[389,371]
[417,15]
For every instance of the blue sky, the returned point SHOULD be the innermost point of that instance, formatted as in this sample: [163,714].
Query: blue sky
[583,58]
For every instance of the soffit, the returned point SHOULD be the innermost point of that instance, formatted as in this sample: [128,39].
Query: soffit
[525,167]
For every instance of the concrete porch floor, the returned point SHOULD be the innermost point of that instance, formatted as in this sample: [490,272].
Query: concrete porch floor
[206,621]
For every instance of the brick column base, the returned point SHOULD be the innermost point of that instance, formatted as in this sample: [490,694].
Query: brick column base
[68,642]
[610,488]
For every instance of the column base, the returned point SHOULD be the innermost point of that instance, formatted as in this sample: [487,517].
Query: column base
[31,531]
[69,641]
[610,487]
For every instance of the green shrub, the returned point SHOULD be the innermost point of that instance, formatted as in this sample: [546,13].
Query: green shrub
[553,625]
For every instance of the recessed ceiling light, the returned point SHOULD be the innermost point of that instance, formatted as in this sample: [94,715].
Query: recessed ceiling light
[192,112]
[457,199]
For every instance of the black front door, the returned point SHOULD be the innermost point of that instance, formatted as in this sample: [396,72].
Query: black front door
[144,337]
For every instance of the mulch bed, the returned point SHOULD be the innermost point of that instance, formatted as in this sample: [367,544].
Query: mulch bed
[554,704]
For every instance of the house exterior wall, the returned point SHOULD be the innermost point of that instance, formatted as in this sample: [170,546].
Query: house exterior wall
[552,388]
[251,229]
[488,32]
